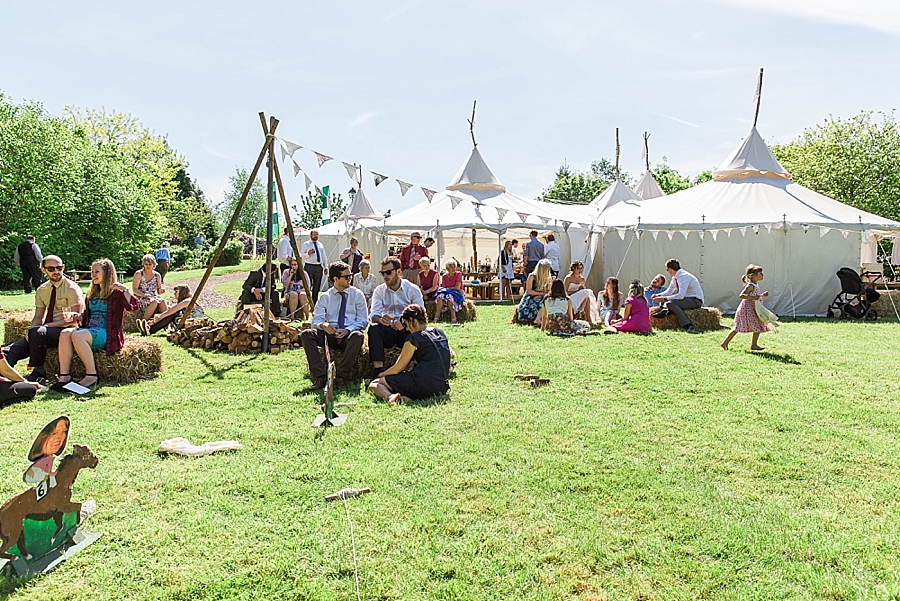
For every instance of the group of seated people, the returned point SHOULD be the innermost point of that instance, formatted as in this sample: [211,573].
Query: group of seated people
[397,318]
[553,304]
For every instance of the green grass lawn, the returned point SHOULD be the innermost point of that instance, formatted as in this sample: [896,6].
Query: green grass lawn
[657,467]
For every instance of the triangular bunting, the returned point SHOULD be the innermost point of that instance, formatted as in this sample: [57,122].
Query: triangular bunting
[845,233]
[639,233]
[544,220]
[370,235]
[284,152]
[318,191]
[701,233]
[685,233]
[429,194]
[584,226]
[378,178]
[805,228]
[454,200]
[321,158]
[296,168]
[727,230]
[823,230]
[290,147]
[670,233]
[308,181]
[756,229]
[404,187]
[603,230]
[769,227]
[352,171]
[566,225]
[655,233]
[621,231]
[523,217]
[743,231]
[714,233]
[501,213]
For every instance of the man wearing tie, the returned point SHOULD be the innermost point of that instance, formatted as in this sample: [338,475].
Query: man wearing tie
[55,303]
[340,316]
[313,254]
[684,292]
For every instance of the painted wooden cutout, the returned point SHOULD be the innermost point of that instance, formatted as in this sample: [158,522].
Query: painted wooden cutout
[39,526]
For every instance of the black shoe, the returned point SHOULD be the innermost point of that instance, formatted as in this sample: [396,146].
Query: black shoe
[37,376]
[319,384]
[690,329]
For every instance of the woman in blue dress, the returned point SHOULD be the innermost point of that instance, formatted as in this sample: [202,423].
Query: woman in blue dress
[429,348]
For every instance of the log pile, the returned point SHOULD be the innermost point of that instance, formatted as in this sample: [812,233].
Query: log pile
[243,334]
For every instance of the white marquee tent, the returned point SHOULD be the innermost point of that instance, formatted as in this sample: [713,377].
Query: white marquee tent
[751,212]
[648,188]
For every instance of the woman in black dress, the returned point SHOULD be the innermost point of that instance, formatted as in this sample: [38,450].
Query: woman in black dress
[431,352]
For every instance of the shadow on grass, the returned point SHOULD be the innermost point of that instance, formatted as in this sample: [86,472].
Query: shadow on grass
[217,372]
[779,357]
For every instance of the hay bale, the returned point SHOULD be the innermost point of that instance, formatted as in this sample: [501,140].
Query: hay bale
[467,312]
[17,325]
[139,359]
[363,366]
[886,304]
[704,318]
[129,320]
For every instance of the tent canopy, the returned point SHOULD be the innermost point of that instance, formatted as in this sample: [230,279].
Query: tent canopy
[361,208]
[648,187]
[751,157]
[613,195]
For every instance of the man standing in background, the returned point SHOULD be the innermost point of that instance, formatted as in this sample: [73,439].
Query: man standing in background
[284,252]
[409,257]
[162,261]
[534,252]
[551,252]
[28,257]
[314,260]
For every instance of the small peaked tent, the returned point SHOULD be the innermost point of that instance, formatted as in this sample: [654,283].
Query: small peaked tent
[475,175]
[613,195]
[648,188]
[361,208]
[751,212]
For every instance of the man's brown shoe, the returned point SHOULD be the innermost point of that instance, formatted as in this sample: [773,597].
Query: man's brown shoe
[319,384]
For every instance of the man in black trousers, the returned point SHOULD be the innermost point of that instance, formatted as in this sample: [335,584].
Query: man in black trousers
[28,257]
[254,289]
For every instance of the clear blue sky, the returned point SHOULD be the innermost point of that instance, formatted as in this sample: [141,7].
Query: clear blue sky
[390,84]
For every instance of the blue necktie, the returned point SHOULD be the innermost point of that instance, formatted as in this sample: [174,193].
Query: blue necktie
[342,312]
[318,257]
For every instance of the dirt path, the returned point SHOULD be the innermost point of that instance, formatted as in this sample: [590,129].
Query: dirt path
[209,298]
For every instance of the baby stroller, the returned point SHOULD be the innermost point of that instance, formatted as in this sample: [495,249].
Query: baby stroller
[855,299]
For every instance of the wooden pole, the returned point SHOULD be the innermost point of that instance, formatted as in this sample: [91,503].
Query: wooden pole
[617,153]
[472,125]
[646,151]
[474,250]
[270,208]
[224,239]
[287,218]
[758,96]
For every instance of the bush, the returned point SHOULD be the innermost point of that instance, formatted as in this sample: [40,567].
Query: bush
[232,253]
[178,256]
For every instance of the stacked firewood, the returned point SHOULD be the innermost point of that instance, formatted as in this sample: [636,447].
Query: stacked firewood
[243,334]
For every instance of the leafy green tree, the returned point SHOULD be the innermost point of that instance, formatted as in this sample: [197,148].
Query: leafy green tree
[855,161]
[582,187]
[253,213]
[312,212]
[671,181]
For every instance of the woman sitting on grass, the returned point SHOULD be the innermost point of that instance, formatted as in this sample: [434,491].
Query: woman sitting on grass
[537,286]
[635,315]
[107,301]
[294,292]
[583,299]
[160,322]
[557,317]
[147,287]
[610,302]
[450,292]
[429,348]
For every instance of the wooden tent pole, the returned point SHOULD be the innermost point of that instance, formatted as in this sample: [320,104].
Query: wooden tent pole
[287,218]
[472,125]
[270,208]
[758,96]
[224,239]
[617,153]
[646,151]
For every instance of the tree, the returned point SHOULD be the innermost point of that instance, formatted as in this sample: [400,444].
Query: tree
[671,181]
[311,215]
[855,161]
[581,188]
[253,213]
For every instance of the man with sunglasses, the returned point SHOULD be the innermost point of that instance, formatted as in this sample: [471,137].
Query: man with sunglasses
[340,316]
[388,302]
[56,301]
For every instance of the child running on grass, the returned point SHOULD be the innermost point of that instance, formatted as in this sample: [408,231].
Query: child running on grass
[746,318]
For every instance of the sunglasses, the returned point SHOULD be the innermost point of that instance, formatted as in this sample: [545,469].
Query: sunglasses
[387,272]
[52,268]
[345,276]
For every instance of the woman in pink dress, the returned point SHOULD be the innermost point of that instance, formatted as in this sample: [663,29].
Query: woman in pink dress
[745,318]
[635,315]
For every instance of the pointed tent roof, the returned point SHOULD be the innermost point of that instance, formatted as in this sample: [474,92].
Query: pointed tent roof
[475,175]
[361,208]
[751,157]
[648,188]
[616,193]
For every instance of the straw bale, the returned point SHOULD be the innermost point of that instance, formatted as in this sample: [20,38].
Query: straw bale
[363,366]
[17,325]
[129,320]
[704,318]
[139,359]
[886,304]
[467,312]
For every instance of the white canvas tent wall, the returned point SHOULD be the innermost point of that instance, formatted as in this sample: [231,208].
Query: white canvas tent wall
[750,213]
[335,237]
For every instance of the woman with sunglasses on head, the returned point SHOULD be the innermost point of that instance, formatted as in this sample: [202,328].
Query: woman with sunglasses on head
[147,286]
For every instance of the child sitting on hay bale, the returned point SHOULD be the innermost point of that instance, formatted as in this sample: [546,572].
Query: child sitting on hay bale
[182,298]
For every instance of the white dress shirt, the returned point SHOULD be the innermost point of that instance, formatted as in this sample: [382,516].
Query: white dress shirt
[309,245]
[683,285]
[328,309]
[551,253]
[390,303]
[285,252]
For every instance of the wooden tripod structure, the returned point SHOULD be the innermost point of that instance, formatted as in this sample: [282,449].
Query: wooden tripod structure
[274,178]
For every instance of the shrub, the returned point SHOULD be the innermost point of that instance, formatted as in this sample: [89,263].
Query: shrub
[178,256]
[232,253]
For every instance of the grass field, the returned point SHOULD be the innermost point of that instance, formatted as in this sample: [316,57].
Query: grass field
[657,467]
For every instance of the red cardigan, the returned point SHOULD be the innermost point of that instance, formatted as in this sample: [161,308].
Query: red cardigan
[115,314]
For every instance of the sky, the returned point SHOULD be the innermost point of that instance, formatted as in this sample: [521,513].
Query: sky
[390,85]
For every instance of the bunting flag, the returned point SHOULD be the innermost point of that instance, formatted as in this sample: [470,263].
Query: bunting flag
[584,226]
[685,233]
[566,225]
[321,158]
[308,181]
[429,194]
[603,231]
[290,147]
[284,152]
[296,168]
[743,231]
[544,220]
[756,229]
[454,200]
[727,230]
[639,233]
[370,235]
[714,234]
[845,233]
[670,233]
[501,213]
[352,171]
[655,233]
[701,233]
[404,187]
[523,217]
[318,191]
[378,178]
[621,231]
[768,227]
[823,230]
[805,228]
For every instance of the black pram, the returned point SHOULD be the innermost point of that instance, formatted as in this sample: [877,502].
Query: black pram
[855,299]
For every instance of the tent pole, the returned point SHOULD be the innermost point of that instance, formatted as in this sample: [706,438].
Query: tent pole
[499,261]
[437,235]
[270,206]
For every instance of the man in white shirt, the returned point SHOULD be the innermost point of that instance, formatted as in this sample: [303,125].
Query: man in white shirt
[338,320]
[388,301]
[285,253]
[314,260]
[551,252]
[684,292]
